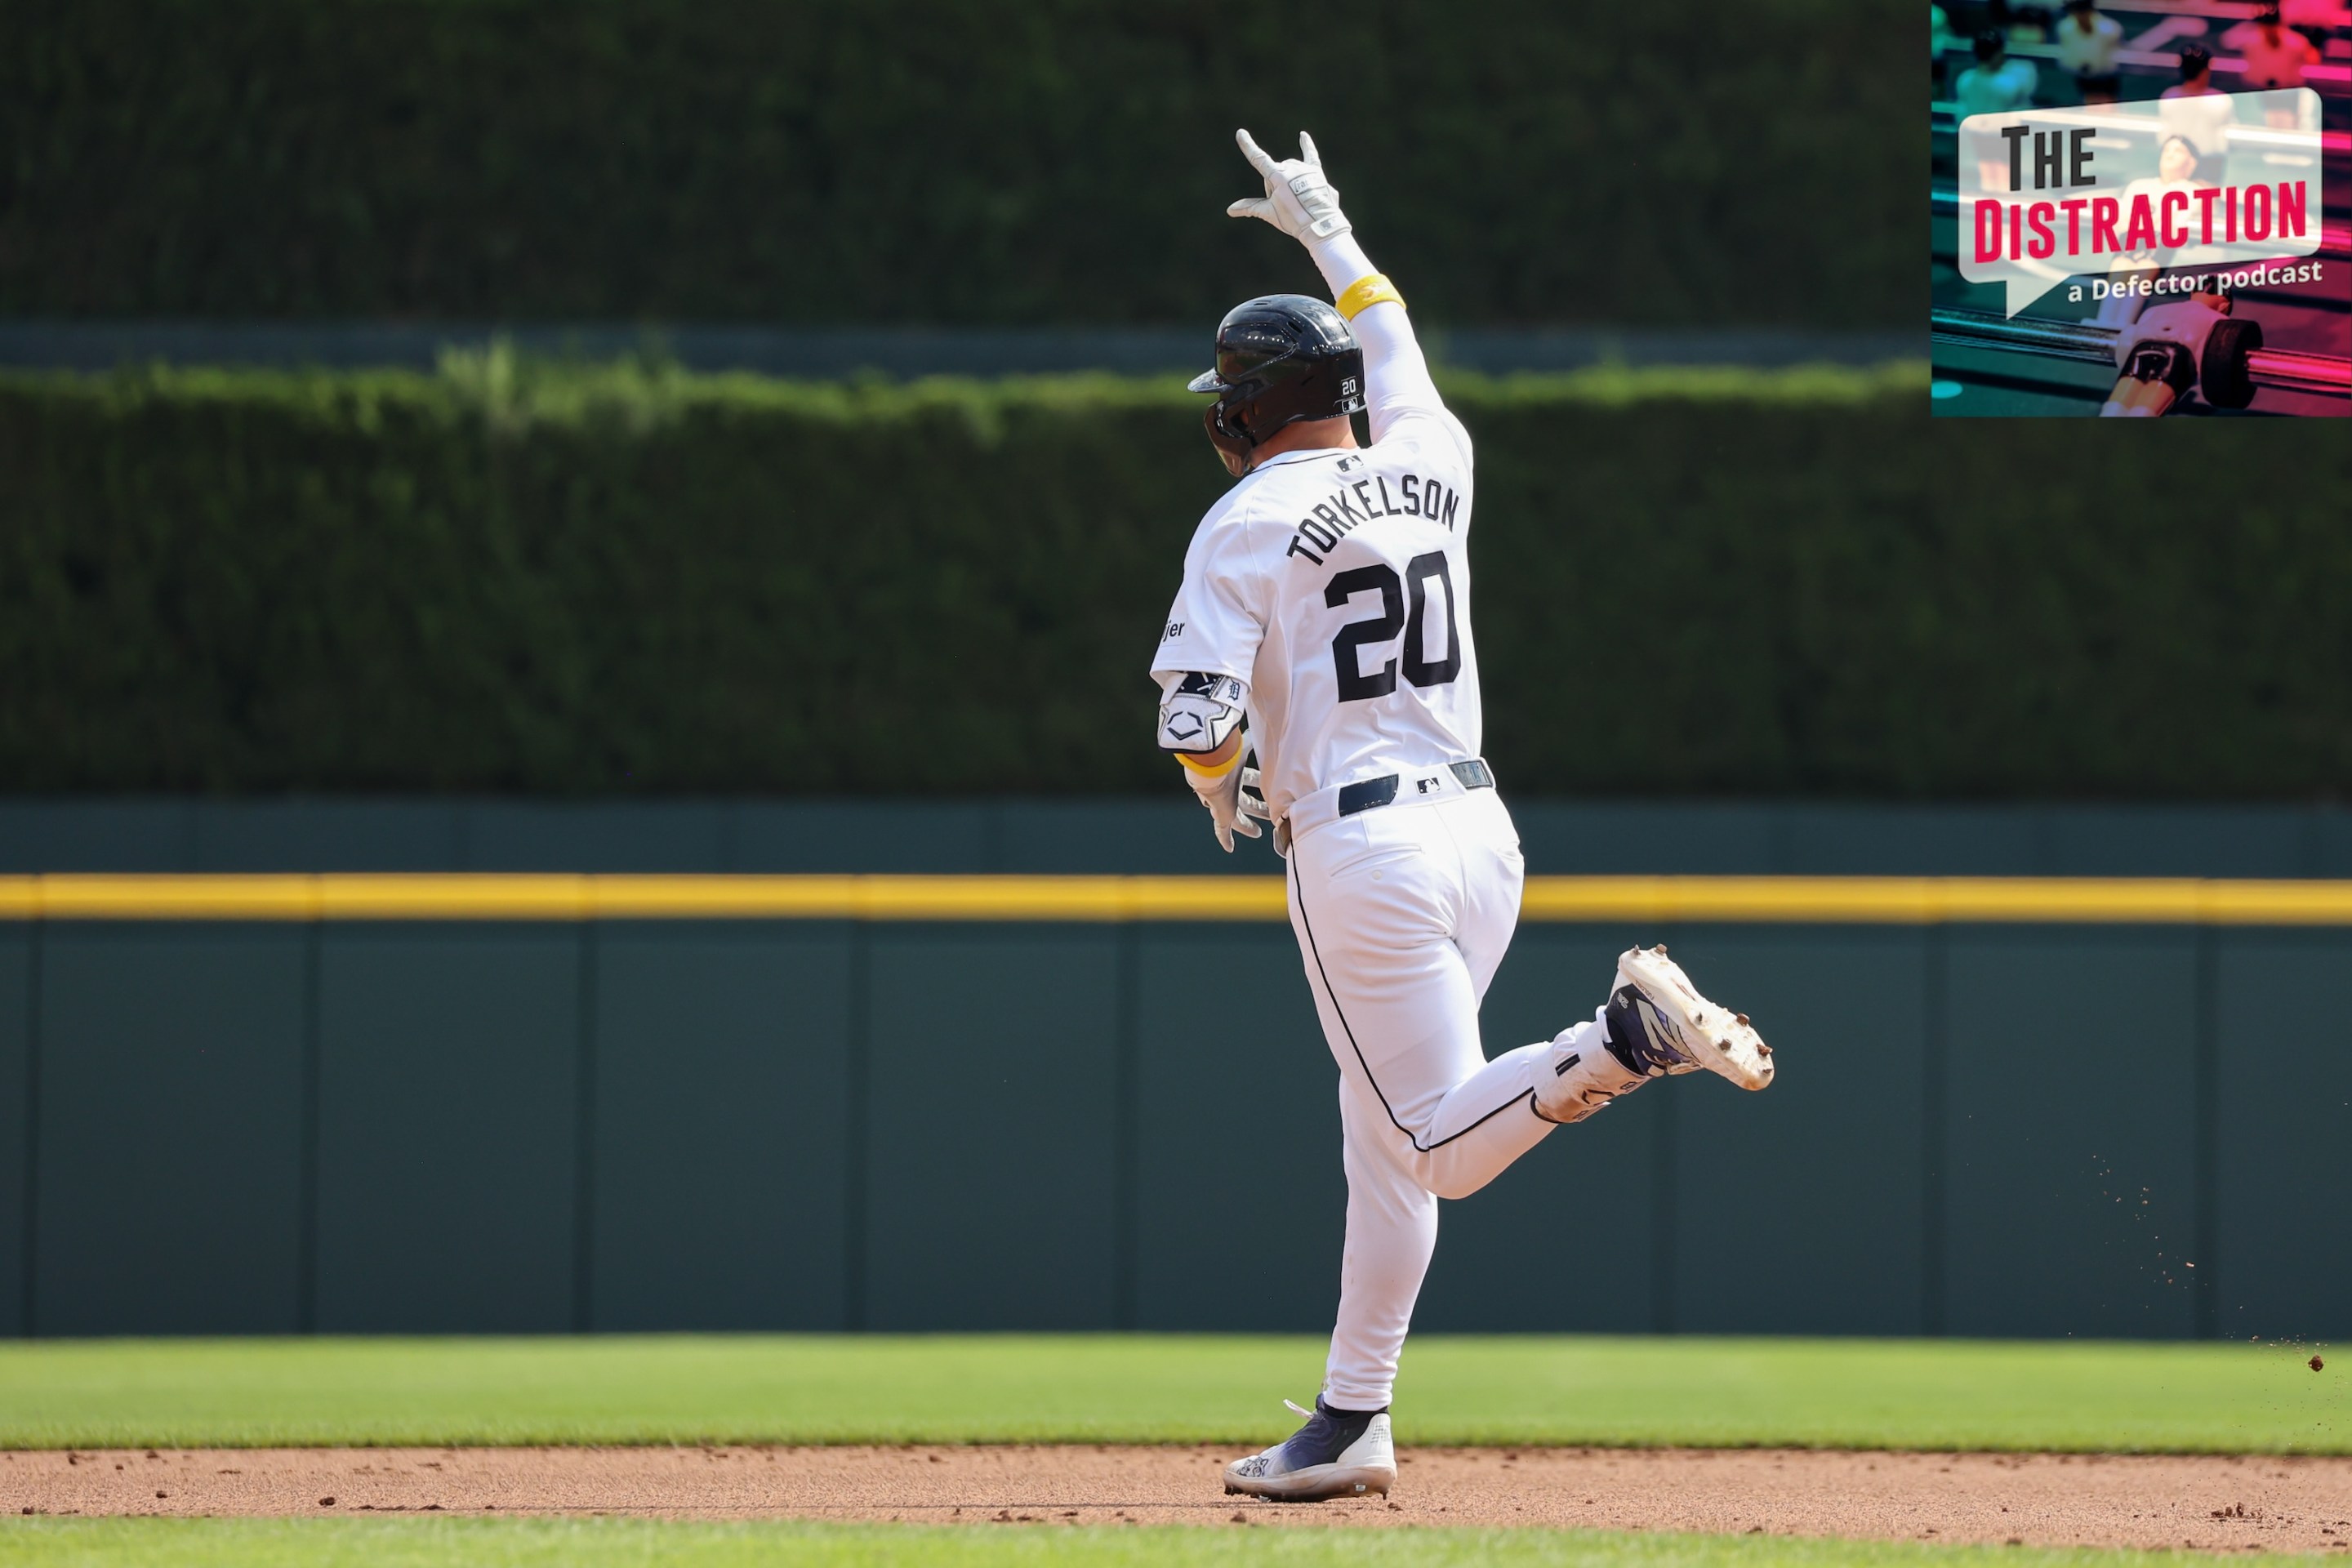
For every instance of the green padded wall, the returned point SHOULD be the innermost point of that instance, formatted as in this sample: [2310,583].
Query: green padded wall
[16,1147]
[489,1127]
[2068,1116]
[988,1171]
[448,1139]
[720,1127]
[2282,1093]
[169,1184]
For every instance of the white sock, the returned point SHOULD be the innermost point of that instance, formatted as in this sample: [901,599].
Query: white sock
[1584,1075]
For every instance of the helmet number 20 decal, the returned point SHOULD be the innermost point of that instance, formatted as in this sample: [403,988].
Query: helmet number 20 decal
[1355,686]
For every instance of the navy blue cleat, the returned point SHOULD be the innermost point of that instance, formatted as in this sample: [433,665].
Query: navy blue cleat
[1645,1042]
[1339,1453]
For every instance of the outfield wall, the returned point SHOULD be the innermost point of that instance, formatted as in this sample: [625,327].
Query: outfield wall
[465,1125]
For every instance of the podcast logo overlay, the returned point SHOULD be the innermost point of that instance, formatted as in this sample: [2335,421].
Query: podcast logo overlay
[2127,197]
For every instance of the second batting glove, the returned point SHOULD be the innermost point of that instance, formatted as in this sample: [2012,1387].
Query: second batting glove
[1299,198]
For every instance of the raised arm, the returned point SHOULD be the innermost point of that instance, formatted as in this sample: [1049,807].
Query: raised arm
[1300,201]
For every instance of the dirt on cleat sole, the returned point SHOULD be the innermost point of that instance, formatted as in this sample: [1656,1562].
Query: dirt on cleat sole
[1723,1041]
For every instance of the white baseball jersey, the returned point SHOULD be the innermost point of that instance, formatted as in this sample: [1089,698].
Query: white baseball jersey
[1336,584]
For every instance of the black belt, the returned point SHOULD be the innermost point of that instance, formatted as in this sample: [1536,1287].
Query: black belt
[1366,794]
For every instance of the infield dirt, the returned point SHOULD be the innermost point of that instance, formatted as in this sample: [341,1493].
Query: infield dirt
[2216,1503]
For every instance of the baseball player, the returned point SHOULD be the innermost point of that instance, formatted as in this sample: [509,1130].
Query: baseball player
[1323,629]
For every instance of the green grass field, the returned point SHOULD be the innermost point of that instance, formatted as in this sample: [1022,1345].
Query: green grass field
[1150,1388]
[633,1543]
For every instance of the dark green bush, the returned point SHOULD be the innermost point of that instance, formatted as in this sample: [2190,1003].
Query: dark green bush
[625,579]
[936,161]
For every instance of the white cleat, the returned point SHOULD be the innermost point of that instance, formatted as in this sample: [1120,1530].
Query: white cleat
[1334,1455]
[1679,1029]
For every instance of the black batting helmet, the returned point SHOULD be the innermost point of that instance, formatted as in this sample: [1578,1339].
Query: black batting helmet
[1281,358]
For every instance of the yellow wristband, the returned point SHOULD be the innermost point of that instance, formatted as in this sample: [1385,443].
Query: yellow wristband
[1371,290]
[1215,771]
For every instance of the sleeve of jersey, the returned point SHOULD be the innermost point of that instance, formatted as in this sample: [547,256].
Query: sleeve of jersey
[1217,621]
[1398,386]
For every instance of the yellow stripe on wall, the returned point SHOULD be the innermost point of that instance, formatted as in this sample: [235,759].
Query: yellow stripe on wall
[1647,900]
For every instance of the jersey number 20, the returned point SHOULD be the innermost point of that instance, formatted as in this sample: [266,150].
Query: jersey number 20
[1355,686]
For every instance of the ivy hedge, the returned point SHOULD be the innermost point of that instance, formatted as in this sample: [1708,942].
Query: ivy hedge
[606,580]
[935,160]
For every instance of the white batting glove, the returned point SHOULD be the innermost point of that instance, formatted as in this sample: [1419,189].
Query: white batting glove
[1252,791]
[1222,797]
[1299,200]
[1254,806]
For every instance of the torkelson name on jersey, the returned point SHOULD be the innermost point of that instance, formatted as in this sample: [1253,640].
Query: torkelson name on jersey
[1352,506]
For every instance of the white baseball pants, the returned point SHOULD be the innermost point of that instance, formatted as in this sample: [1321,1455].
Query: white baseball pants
[1402,915]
